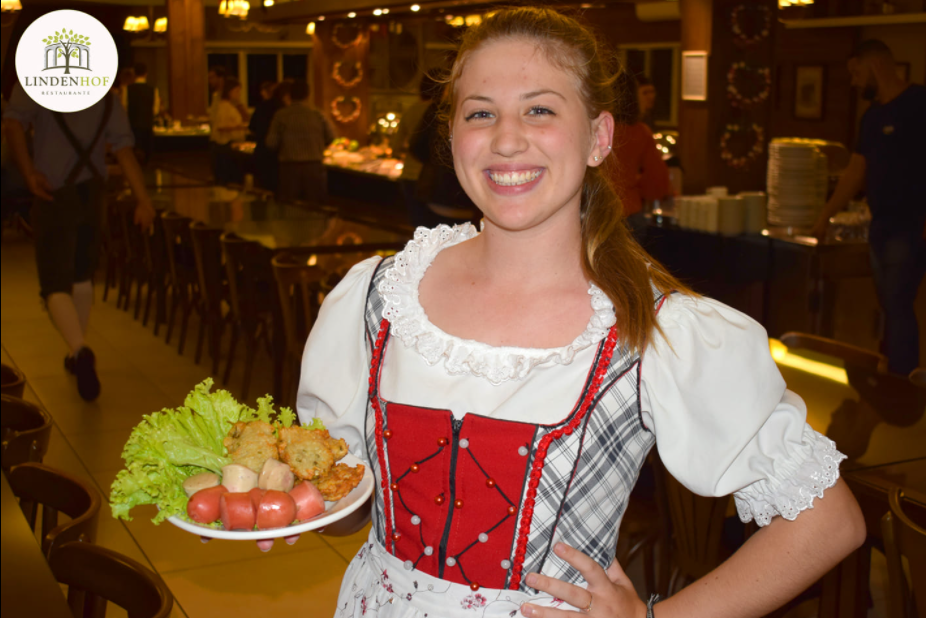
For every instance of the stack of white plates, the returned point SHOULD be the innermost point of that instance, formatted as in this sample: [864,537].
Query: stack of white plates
[797,183]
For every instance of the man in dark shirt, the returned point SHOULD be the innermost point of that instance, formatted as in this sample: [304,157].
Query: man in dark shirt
[889,162]
[142,104]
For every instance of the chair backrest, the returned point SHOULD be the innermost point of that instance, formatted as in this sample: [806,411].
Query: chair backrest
[697,525]
[298,285]
[56,491]
[95,575]
[177,240]
[12,381]
[904,531]
[138,241]
[850,354]
[207,250]
[26,430]
[918,377]
[248,267]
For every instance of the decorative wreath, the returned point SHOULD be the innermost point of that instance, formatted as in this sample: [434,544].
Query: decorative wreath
[336,74]
[741,162]
[337,40]
[740,37]
[336,112]
[737,99]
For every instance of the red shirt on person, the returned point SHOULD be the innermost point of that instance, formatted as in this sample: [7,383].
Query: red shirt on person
[639,172]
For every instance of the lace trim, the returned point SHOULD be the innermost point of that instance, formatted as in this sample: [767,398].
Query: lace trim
[789,497]
[410,324]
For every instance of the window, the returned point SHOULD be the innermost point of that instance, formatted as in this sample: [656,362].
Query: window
[661,64]
[261,68]
[295,66]
[262,64]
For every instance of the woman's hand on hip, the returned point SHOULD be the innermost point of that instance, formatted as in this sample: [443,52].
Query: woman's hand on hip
[610,594]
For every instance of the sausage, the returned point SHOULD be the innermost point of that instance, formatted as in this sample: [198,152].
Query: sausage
[276,475]
[256,494]
[309,501]
[238,479]
[277,510]
[203,506]
[203,480]
[236,511]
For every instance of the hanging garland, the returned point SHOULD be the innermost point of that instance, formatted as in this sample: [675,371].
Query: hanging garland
[742,162]
[336,75]
[336,111]
[737,99]
[337,40]
[740,38]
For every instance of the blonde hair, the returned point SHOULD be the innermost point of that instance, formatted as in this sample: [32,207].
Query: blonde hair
[612,259]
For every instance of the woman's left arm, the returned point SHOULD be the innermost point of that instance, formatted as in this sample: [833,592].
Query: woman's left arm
[774,566]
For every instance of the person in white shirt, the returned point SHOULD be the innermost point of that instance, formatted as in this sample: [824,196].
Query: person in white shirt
[504,385]
[230,125]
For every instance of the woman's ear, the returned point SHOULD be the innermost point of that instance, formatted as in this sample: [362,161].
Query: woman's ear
[602,136]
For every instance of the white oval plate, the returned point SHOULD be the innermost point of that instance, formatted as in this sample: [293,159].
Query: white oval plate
[335,511]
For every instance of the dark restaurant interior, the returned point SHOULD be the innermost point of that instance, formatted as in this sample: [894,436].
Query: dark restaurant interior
[277,144]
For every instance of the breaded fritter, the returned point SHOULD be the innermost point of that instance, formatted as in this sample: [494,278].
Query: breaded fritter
[252,444]
[339,482]
[309,452]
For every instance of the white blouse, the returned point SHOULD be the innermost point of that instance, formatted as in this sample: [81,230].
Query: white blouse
[723,419]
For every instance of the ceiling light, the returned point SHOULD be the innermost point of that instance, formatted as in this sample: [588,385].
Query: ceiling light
[352,15]
[377,12]
[321,18]
[310,29]
[415,8]
[385,11]
[268,3]
[160,24]
[10,6]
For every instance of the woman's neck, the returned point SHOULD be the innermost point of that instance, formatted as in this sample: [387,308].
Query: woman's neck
[549,252]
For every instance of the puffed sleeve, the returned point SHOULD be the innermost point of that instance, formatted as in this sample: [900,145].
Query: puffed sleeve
[723,418]
[334,385]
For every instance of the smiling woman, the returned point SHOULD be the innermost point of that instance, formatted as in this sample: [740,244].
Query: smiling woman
[507,430]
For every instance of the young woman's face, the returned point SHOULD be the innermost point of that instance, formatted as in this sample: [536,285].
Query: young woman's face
[522,138]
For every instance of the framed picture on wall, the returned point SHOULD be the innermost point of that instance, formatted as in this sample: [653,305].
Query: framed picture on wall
[694,76]
[809,87]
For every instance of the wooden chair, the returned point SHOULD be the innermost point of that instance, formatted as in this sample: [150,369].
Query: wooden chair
[12,382]
[207,251]
[849,354]
[250,295]
[95,575]
[56,491]
[918,377]
[114,252]
[181,269]
[26,430]
[298,285]
[904,530]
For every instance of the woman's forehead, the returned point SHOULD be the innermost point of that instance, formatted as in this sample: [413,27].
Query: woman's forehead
[514,64]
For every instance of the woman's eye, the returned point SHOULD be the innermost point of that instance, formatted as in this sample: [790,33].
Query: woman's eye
[538,110]
[478,116]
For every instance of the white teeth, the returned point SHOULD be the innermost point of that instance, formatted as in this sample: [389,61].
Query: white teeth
[511,179]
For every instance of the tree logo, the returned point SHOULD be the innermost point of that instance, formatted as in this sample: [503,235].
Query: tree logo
[61,76]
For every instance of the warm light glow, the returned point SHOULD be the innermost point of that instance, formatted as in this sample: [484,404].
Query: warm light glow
[234,8]
[786,3]
[142,23]
[268,2]
[310,29]
[160,24]
[473,20]
[313,260]
[352,15]
[321,18]
[129,24]
[390,116]
[377,12]
[10,6]
[782,356]
[415,8]
[385,11]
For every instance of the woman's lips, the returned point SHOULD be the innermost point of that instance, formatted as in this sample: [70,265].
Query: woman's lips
[515,181]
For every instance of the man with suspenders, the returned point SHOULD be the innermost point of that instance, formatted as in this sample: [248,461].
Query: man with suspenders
[67,175]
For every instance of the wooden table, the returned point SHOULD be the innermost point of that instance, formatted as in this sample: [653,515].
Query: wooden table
[880,422]
[28,586]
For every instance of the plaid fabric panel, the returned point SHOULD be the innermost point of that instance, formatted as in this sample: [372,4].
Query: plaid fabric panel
[374,316]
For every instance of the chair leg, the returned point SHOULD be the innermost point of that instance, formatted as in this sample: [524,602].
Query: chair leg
[171,318]
[203,328]
[147,314]
[216,331]
[185,321]
[231,354]
[138,297]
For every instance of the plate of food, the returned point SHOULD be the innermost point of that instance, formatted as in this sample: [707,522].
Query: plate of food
[220,469]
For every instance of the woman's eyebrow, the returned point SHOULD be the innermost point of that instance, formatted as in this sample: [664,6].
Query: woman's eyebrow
[537,93]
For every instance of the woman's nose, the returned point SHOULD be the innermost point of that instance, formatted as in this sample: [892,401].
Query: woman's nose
[509,139]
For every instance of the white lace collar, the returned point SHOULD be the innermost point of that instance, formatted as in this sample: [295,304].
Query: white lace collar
[410,324]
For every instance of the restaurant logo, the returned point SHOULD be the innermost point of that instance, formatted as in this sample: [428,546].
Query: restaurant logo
[53,61]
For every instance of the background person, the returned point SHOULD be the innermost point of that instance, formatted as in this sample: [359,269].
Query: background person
[230,125]
[143,104]
[265,160]
[299,135]
[888,164]
[646,95]
[68,210]
[429,89]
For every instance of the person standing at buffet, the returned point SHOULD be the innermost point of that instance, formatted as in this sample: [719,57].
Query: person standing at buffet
[265,160]
[299,134]
[889,163]
[637,171]
[142,102]
[506,384]
[231,125]
[67,176]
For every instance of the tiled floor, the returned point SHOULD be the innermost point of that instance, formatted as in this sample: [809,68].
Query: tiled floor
[141,374]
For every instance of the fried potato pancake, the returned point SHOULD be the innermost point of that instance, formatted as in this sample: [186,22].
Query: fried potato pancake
[252,444]
[339,482]
[310,452]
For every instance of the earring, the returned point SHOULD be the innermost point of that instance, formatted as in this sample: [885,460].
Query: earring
[609,146]
[596,158]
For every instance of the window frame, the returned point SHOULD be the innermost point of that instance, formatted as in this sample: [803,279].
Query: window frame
[675,94]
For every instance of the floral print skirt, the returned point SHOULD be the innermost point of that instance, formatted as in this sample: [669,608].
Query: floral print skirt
[378,584]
